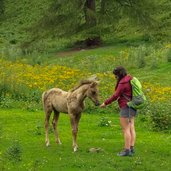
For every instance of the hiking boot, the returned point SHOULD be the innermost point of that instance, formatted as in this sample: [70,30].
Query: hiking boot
[132,150]
[126,152]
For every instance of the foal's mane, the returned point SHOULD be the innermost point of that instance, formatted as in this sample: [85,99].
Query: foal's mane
[82,82]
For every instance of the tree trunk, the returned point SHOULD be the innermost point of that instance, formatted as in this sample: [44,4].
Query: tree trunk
[102,7]
[90,17]
[90,9]
[2,7]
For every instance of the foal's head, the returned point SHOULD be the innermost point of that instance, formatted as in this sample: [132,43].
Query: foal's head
[92,92]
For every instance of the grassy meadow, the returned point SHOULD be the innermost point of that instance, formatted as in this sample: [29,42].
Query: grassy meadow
[23,80]
[23,148]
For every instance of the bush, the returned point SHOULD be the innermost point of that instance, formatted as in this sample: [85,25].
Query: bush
[104,121]
[2,7]
[147,56]
[137,55]
[168,55]
[13,153]
[159,116]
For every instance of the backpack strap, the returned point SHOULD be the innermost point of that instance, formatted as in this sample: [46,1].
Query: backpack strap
[124,95]
[127,98]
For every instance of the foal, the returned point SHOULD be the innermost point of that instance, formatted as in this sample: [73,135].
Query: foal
[71,102]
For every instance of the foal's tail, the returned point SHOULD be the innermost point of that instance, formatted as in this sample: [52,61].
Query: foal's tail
[44,97]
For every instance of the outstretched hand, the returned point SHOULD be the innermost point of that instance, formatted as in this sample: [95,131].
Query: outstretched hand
[102,105]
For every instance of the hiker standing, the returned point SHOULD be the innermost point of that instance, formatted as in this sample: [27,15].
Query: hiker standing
[123,92]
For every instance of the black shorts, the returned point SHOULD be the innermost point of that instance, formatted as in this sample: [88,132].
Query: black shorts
[127,112]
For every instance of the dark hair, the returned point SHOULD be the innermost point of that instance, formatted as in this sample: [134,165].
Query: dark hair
[120,71]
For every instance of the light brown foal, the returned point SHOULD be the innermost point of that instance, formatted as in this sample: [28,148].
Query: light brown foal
[71,102]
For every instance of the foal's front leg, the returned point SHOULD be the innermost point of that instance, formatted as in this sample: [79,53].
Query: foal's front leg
[74,124]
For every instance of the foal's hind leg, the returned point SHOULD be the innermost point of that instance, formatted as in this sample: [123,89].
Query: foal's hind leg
[54,123]
[47,117]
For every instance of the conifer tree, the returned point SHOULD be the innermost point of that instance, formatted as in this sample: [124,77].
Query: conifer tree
[2,7]
[90,19]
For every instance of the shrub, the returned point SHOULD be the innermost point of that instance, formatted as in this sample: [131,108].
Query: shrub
[38,129]
[159,116]
[13,153]
[147,56]
[168,55]
[137,55]
[6,102]
[141,53]
[104,121]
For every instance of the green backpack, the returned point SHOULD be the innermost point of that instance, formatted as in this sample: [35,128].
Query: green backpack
[138,100]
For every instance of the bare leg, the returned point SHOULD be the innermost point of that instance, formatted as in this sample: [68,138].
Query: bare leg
[48,113]
[74,123]
[54,123]
[132,131]
[126,131]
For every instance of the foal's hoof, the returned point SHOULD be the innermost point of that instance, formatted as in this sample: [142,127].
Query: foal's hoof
[58,142]
[47,144]
[75,149]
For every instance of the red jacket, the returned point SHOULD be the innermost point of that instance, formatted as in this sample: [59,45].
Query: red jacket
[123,87]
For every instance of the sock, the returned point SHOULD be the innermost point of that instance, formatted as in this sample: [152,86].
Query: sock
[127,150]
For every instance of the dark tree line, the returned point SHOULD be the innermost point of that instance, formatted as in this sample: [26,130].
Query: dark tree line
[2,8]
[91,19]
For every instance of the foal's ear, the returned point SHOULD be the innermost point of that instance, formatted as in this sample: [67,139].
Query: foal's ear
[95,83]
[93,78]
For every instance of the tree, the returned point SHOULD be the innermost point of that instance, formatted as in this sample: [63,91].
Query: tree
[90,19]
[1,7]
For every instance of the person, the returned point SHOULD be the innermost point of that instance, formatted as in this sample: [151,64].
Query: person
[122,93]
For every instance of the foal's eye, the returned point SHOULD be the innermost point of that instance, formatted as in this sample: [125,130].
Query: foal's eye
[93,92]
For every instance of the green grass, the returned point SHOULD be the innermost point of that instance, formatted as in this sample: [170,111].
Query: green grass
[152,149]
[92,60]
[158,76]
